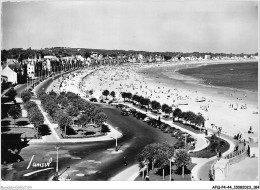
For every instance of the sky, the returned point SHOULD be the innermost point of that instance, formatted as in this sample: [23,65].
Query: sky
[154,25]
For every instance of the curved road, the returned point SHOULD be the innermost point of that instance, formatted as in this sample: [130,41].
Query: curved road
[89,161]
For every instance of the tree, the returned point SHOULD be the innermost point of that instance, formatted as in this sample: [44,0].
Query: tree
[164,106]
[168,110]
[190,117]
[129,95]
[141,100]
[155,105]
[90,111]
[182,159]
[179,145]
[73,111]
[84,107]
[146,102]
[148,153]
[53,93]
[64,121]
[83,119]
[105,93]
[87,54]
[36,119]
[165,153]
[42,95]
[64,102]
[51,106]
[157,154]
[11,94]
[113,94]
[124,95]
[90,92]
[100,118]
[176,113]
[58,113]
[4,85]
[135,97]
[183,116]
[199,120]
[30,104]
[15,111]
[26,96]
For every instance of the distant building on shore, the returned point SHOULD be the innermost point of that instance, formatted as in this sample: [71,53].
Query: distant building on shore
[9,75]
[207,57]
[11,61]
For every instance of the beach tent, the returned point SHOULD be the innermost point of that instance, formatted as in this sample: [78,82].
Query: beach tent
[221,169]
[10,74]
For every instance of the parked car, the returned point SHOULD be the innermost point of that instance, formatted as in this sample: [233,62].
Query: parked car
[125,113]
[119,105]
[147,119]
[168,130]
[93,99]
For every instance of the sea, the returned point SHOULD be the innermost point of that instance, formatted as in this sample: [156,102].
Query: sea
[242,76]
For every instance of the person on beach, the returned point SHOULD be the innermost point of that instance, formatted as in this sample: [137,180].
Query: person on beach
[248,151]
[250,130]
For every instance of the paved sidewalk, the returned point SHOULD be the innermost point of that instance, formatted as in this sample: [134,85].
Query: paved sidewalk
[246,170]
[129,174]
[53,137]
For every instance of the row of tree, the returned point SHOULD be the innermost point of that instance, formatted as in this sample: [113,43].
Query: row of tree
[34,115]
[65,107]
[106,93]
[189,116]
[158,155]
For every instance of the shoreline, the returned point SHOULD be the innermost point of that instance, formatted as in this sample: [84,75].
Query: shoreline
[130,78]
[194,80]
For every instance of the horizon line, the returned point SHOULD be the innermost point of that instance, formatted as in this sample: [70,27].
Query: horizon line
[123,50]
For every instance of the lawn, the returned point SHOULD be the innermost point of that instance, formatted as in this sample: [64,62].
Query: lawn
[210,150]
[22,126]
[25,131]
[156,175]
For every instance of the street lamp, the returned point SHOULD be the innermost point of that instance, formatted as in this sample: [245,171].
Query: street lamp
[171,160]
[115,139]
[57,148]
[27,83]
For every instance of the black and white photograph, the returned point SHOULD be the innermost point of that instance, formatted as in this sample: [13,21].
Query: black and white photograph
[134,94]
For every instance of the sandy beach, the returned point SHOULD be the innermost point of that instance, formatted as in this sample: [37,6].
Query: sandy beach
[185,93]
